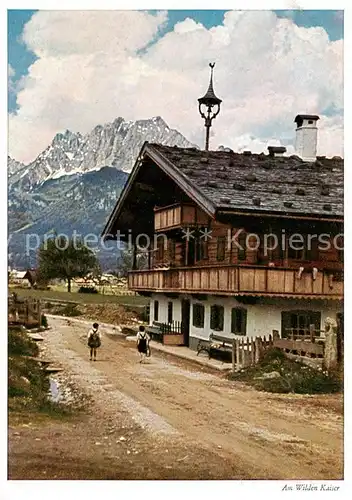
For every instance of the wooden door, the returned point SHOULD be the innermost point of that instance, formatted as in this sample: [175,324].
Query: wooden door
[186,316]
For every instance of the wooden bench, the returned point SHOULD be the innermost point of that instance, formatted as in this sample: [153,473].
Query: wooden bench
[216,345]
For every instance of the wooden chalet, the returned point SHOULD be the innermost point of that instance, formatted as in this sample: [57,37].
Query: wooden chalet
[209,221]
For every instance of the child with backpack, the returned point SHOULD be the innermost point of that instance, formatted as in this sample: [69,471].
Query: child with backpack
[142,343]
[94,341]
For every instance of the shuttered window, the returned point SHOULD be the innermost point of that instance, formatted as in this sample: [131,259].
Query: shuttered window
[220,252]
[242,241]
[156,310]
[198,315]
[217,318]
[172,249]
[238,321]
[169,312]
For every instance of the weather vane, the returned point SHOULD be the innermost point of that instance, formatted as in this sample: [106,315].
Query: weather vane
[206,105]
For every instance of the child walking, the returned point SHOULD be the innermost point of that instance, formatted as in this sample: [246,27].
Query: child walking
[94,340]
[142,343]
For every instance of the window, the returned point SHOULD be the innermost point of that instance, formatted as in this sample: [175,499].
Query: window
[198,315]
[201,248]
[217,318]
[303,250]
[172,249]
[169,312]
[238,321]
[220,252]
[160,249]
[312,249]
[296,247]
[298,322]
[242,241]
[339,245]
[156,310]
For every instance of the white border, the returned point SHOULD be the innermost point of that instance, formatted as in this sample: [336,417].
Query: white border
[161,489]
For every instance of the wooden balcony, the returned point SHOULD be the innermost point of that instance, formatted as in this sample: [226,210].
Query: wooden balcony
[239,280]
[177,216]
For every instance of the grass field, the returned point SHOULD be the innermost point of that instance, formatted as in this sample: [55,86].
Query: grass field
[82,298]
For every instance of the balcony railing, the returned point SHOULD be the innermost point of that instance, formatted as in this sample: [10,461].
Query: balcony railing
[239,280]
[175,216]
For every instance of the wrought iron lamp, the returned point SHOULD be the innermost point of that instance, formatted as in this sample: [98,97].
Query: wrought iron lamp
[209,106]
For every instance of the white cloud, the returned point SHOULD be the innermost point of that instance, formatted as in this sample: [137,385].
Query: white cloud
[10,75]
[91,69]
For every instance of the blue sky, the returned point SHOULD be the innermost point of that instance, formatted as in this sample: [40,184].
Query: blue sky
[20,58]
[95,65]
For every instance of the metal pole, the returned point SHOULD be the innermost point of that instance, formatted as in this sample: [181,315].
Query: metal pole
[207,137]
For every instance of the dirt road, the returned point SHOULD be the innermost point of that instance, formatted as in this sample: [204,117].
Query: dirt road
[169,419]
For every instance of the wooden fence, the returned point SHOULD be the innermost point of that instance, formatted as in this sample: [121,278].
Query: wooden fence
[172,333]
[24,311]
[249,351]
[311,333]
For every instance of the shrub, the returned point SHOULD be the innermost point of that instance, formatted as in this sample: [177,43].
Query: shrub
[295,376]
[69,310]
[19,344]
[87,289]
[274,355]
[26,380]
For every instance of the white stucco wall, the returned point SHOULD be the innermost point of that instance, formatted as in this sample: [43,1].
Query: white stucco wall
[163,308]
[262,318]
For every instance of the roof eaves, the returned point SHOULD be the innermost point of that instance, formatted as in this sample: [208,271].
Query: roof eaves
[127,187]
[181,179]
[273,213]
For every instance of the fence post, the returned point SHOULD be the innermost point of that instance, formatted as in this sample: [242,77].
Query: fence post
[252,352]
[243,354]
[276,335]
[233,356]
[330,347]
[40,313]
[248,356]
[237,354]
[257,349]
[312,333]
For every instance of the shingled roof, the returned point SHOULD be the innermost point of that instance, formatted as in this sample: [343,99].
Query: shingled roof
[259,182]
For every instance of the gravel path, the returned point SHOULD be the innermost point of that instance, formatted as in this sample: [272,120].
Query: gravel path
[188,422]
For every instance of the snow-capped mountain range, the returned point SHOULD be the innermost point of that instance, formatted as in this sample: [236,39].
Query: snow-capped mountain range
[75,182]
[115,144]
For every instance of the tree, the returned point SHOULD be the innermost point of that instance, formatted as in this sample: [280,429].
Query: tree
[125,261]
[66,259]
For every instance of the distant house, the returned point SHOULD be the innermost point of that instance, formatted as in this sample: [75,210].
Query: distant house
[18,277]
[32,276]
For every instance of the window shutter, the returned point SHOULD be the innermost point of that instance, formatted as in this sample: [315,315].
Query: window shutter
[198,315]
[217,317]
[244,322]
[285,323]
[169,312]
[238,321]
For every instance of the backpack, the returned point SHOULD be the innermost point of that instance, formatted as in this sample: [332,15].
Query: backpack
[144,344]
[94,340]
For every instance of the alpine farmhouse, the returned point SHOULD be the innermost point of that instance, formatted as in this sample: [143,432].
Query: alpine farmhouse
[211,217]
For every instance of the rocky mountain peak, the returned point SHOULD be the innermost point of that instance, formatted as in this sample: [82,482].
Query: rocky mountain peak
[75,182]
[114,144]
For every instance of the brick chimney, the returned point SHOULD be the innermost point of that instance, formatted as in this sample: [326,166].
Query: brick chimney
[306,136]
